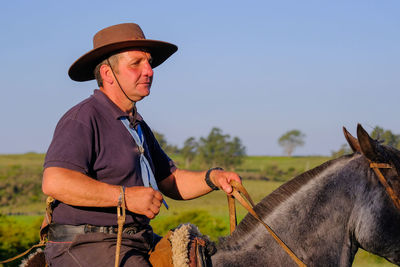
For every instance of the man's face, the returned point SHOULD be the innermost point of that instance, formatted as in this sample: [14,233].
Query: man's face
[134,73]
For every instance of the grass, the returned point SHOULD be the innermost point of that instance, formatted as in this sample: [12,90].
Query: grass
[277,168]
[28,160]
[366,259]
[20,183]
[305,163]
[26,219]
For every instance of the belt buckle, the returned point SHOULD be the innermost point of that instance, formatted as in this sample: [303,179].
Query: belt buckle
[106,229]
[131,230]
[88,228]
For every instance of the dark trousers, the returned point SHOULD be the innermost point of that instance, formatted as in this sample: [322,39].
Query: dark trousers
[98,249]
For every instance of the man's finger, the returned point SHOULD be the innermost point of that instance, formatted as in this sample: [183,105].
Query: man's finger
[235,177]
[154,209]
[158,195]
[149,214]
[226,187]
[157,202]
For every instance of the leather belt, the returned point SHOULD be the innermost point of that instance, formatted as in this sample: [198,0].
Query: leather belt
[65,232]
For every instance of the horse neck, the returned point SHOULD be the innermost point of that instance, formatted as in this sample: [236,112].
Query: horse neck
[311,214]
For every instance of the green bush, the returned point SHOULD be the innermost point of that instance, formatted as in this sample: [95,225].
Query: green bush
[20,185]
[207,224]
[17,236]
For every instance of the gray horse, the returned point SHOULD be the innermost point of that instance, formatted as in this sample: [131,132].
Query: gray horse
[325,214]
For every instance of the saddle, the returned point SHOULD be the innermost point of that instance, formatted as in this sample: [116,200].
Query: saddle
[183,246]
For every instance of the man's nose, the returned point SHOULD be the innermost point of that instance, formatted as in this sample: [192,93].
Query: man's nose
[148,70]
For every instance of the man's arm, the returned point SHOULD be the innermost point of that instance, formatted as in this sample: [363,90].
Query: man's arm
[183,184]
[77,189]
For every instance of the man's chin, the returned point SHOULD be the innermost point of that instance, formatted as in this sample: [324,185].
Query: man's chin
[146,93]
[143,95]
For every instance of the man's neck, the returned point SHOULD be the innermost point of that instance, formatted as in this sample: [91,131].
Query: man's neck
[120,100]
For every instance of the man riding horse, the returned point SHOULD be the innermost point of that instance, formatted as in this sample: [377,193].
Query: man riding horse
[103,154]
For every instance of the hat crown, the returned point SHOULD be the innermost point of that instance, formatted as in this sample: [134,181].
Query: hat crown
[118,33]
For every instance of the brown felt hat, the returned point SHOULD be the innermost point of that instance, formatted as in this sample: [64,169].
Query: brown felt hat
[113,39]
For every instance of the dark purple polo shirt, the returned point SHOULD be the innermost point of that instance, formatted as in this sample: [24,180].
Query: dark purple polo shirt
[92,140]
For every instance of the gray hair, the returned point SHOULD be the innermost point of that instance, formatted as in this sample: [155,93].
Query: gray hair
[113,61]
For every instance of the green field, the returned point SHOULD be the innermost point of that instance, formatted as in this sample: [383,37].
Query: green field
[261,176]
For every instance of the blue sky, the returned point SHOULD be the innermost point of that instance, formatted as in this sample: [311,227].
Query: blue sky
[255,69]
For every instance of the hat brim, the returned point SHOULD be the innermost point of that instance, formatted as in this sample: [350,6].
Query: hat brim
[83,68]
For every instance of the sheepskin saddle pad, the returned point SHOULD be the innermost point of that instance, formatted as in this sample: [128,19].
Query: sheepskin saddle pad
[183,246]
[35,259]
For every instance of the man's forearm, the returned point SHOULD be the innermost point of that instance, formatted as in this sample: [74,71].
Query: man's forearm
[183,184]
[75,188]
[191,184]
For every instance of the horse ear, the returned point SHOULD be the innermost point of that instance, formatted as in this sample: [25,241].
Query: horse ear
[367,144]
[353,142]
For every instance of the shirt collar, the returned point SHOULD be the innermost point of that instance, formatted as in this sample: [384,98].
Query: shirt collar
[116,112]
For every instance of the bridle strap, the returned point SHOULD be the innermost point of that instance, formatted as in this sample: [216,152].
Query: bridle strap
[248,204]
[232,212]
[376,167]
[121,215]
[380,165]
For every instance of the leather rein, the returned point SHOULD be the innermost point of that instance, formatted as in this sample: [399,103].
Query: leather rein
[376,167]
[248,204]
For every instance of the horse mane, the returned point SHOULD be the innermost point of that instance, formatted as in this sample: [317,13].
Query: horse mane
[390,155]
[273,200]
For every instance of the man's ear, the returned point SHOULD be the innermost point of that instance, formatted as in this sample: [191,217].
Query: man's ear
[106,74]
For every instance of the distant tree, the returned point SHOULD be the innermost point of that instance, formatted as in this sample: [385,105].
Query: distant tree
[343,150]
[386,136]
[160,138]
[236,153]
[377,132]
[218,149]
[168,148]
[290,140]
[189,150]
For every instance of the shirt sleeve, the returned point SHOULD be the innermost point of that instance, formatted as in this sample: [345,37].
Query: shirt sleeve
[164,166]
[71,147]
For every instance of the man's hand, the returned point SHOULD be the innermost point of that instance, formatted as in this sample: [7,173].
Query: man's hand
[222,179]
[143,200]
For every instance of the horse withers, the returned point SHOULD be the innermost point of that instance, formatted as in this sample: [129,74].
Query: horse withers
[325,215]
